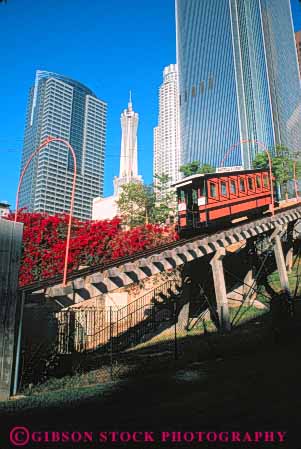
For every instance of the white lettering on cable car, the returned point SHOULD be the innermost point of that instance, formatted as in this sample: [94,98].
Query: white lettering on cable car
[227,169]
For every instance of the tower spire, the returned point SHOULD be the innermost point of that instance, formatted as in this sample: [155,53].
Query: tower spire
[128,171]
[130,105]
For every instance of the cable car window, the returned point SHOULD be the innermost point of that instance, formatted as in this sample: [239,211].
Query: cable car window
[202,190]
[188,198]
[213,190]
[232,187]
[194,196]
[265,182]
[258,181]
[182,196]
[251,183]
[223,188]
[242,186]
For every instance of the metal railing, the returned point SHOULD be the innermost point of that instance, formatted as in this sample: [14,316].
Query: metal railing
[113,329]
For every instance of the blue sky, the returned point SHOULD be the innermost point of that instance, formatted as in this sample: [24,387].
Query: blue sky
[112,46]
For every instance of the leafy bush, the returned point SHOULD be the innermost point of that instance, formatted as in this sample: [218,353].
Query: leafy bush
[91,243]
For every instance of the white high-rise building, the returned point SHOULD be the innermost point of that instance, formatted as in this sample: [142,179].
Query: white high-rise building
[128,155]
[167,133]
[106,208]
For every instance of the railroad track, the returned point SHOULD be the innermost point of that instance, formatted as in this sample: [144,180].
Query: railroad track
[56,280]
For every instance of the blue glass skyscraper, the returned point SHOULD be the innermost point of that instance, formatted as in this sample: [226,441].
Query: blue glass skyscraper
[282,63]
[61,107]
[231,80]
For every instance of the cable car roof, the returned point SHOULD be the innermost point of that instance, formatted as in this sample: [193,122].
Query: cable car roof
[189,179]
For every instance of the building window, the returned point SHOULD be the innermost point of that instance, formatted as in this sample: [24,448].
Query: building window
[210,84]
[202,87]
[193,91]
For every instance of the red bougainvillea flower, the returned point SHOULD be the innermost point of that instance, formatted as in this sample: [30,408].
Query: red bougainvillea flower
[92,243]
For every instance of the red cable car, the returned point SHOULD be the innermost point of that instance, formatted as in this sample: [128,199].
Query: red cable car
[206,200]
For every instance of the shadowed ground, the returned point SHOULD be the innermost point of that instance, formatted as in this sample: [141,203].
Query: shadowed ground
[254,389]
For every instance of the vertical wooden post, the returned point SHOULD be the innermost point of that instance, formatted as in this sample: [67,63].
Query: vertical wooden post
[290,246]
[220,290]
[249,287]
[10,253]
[280,261]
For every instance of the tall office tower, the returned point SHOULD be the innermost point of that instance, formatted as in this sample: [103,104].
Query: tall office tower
[107,208]
[128,155]
[167,133]
[61,107]
[238,79]
[283,73]
[298,48]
